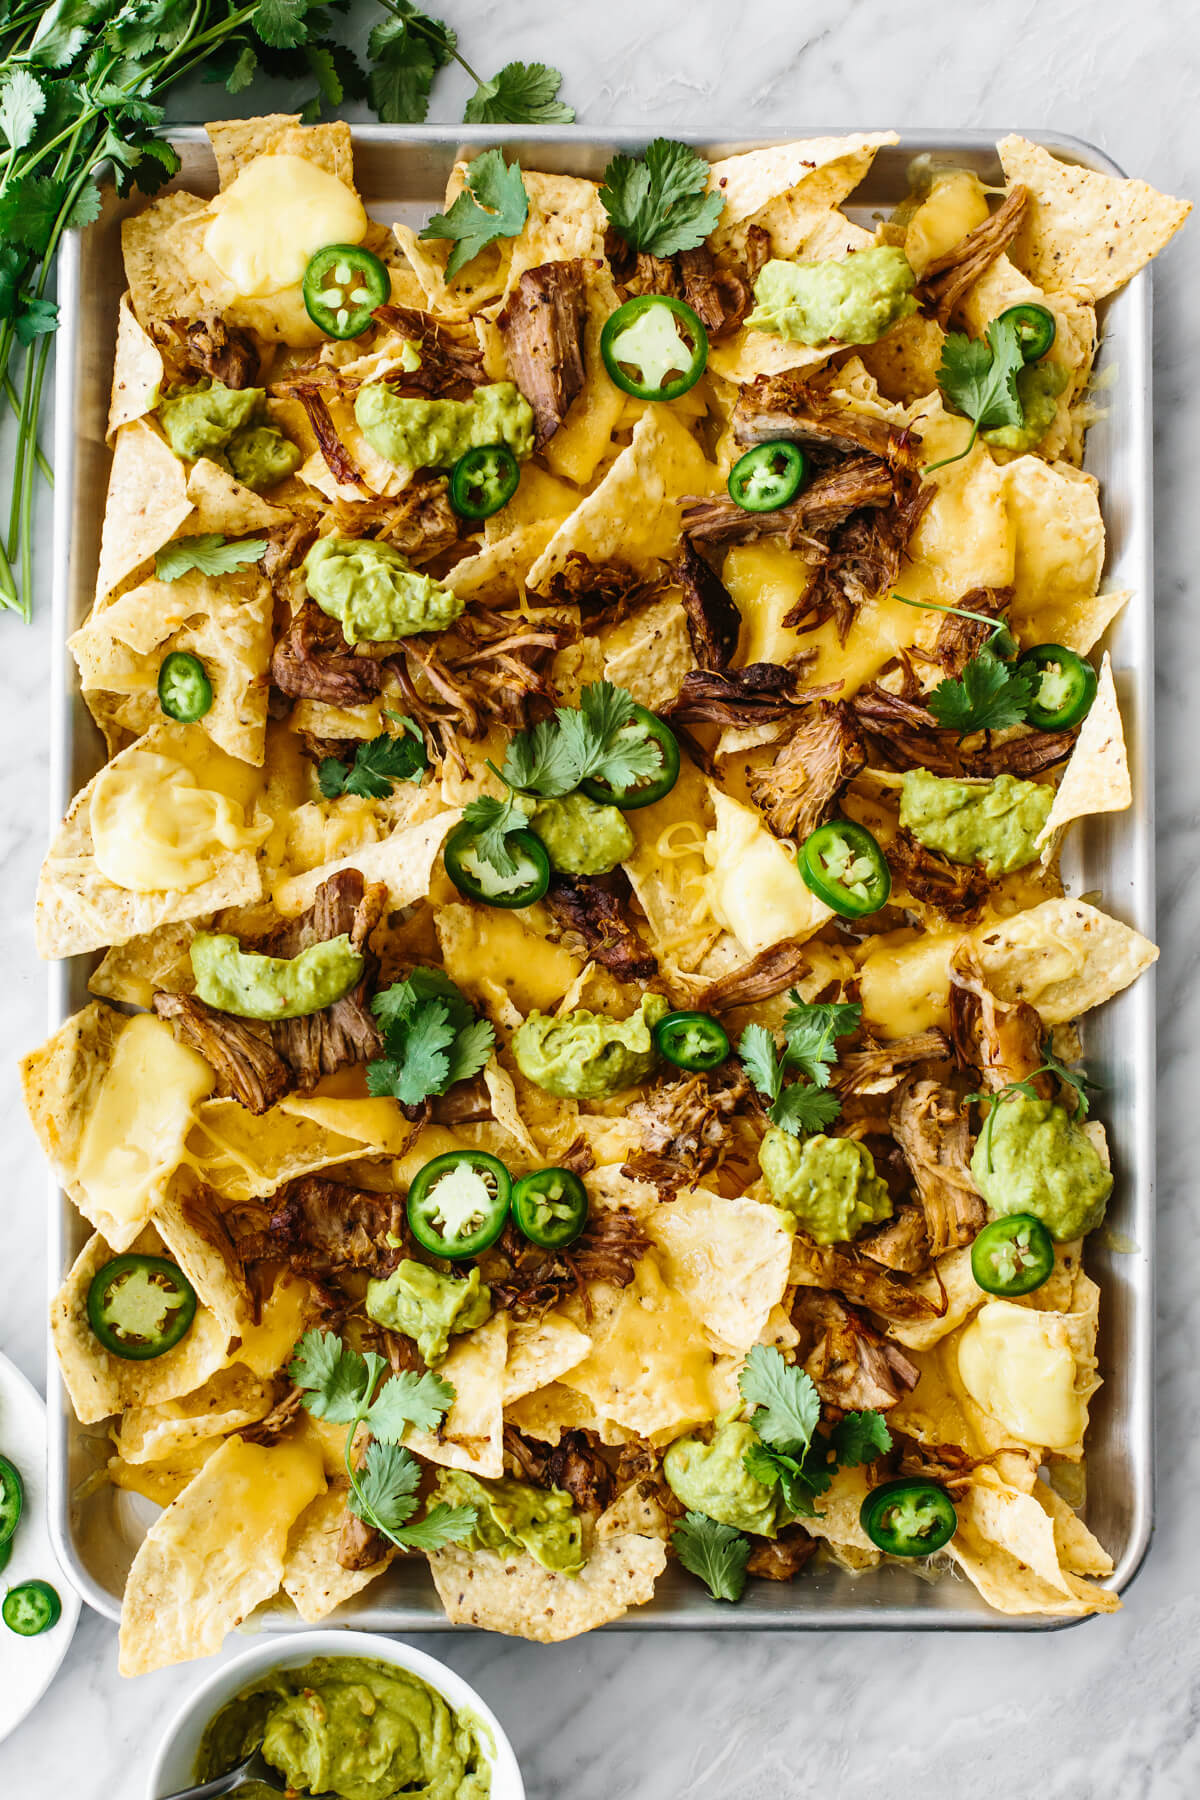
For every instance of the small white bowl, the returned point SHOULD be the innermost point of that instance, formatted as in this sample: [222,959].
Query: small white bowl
[174,1765]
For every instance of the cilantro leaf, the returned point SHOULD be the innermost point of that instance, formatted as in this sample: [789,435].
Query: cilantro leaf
[494,822]
[787,1405]
[493,204]
[387,1487]
[406,52]
[281,23]
[22,102]
[441,1525]
[470,1051]
[718,1554]
[860,1437]
[29,209]
[377,766]
[521,94]
[542,760]
[803,1107]
[990,695]
[431,1035]
[798,1481]
[336,1381]
[659,203]
[211,553]
[761,1061]
[409,1399]
[393,1005]
[419,1066]
[979,378]
[811,1030]
[36,317]
[1077,1080]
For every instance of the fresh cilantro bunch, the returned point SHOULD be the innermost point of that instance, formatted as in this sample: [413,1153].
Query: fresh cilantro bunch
[978,376]
[408,48]
[493,204]
[347,1388]
[1077,1081]
[810,1032]
[377,765]
[600,737]
[431,1037]
[209,554]
[657,203]
[791,1454]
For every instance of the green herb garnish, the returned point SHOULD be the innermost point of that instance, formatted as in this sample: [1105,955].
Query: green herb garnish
[377,765]
[209,554]
[978,376]
[658,202]
[493,204]
[431,1036]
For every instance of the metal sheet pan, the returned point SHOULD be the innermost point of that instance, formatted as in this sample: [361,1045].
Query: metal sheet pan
[402,174]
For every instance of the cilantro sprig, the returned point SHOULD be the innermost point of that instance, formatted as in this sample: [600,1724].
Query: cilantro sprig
[431,1038]
[790,1453]
[211,553]
[1076,1080]
[978,376]
[352,1389]
[658,202]
[811,1031]
[493,204]
[991,694]
[378,764]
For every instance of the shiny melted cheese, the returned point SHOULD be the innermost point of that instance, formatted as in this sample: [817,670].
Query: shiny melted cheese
[266,1347]
[154,827]
[652,1369]
[273,217]
[135,1132]
[502,959]
[1017,1365]
[905,982]
[755,889]
[956,205]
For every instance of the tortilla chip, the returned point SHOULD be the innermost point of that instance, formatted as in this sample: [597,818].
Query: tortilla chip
[522,1599]
[136,971]
[819,171]
[650,654]
[1063,957]
[1086,232]
[215,1554]
[190,1225]
[78,908]
[539,1351]
[837,1522]
[549,1411]
[63,1083]
[232,1398]
[225,504]
[1096,778]
[405,861]
[1058,530]
[244,1157]
[313,1578]
[99,1384]
[471,1436]
[239,142]
[158,245]
[147,503]
[137,371]
[226,623]
[161,1482]
[951,1273]
[1077,624]
[728,1258]
[502,1093]
[633,515]
[1006,1546]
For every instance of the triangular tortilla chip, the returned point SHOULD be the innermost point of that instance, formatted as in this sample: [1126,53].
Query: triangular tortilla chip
[225,504]
[471,1436]
[137,371]
[134,972]
[1054,511]
[522,1599]
[1063,957]
[238,142]
[232,1398]
[729,1260]
[1096,778]
[313,1578]
[650,654]
[244,1157]
[147,503]
[1086,232]
[539,1351]
[1006,1545]
[820,171]
[405,861]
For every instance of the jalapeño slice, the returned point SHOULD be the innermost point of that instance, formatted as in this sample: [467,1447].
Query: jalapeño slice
[844,867]
[1012,1256]
[483,481]
[343,284]
[768,476]
[1035,328]
[31,1608]
[140,1306]
[478,880]
[1064,686]
[458,1203]
[910,1517]
[12,1499]
[692,1040]
[550,1207]
[645,352]
[644,724]
[184,690]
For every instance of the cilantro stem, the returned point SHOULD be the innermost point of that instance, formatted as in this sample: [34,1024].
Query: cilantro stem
[426,29]
[10,394]
[931,468]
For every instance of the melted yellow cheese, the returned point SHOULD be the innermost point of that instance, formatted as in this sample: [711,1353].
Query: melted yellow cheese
[134,1136]
[956,204]
[755,888]
[272,218]
[502,959]
[905,982]
[161,1482]
[154,827]
[265,1347]
[651,1368]
[1017,1365]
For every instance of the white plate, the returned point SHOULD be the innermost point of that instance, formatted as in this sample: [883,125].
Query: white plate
[29,1665]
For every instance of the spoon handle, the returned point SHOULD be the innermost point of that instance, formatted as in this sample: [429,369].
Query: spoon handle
[228,1783]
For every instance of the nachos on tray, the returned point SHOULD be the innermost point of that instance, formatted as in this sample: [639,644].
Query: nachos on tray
[584,1068]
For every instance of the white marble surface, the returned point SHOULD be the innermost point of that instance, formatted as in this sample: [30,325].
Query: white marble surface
[1109,1708]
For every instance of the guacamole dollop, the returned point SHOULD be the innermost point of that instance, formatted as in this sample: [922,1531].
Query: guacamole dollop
[429,1306]
[588,1056]
[352,1728]
[853,300]
[829,1184]
[433,434]
[514,1516]
[1036,1159]
[582,836]
[375,592]
[712,1479]
[230,426]
[993,823]
[1038,386]
[252,986]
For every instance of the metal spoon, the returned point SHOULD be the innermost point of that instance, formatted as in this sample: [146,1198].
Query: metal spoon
[255,1768]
